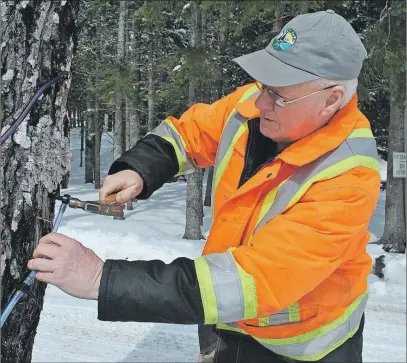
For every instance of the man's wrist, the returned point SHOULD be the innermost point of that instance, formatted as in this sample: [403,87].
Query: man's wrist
[94,293]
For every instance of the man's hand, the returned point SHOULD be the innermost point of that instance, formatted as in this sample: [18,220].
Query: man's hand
[67,264]
[128,183]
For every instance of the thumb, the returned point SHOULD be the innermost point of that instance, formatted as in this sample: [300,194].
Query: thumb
[129,193]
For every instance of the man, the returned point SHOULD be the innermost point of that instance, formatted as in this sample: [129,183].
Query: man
[283,275]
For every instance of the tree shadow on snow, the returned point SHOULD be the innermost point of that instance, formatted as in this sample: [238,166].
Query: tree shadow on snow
[166,343]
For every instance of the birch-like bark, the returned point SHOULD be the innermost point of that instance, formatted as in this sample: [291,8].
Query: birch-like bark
[37,43]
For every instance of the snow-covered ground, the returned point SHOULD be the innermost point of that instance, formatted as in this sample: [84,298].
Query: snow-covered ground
[70,332]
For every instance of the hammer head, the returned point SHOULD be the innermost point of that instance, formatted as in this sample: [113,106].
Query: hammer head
[114,210]
[106,207]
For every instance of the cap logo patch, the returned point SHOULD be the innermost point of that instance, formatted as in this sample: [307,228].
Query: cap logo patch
[286,39]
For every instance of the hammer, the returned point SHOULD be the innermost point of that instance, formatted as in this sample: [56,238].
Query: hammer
[105,207]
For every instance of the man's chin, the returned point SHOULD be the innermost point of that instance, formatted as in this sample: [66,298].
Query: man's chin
[270,131]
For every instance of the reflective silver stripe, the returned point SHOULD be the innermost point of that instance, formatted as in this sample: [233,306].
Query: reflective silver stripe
[164,130]
[227,285]
[282,317]
[234,123]
[350,147]
[232,126]
[320,343]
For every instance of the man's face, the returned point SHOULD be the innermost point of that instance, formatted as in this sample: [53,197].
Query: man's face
[295,120]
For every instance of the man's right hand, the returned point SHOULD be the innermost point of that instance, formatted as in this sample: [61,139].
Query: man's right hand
[128,184]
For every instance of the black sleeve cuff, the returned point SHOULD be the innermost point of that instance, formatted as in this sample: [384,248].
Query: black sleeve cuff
[150,291]
[154,158]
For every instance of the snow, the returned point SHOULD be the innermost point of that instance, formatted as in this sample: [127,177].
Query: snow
[176,68]
[70,332]
[383,169]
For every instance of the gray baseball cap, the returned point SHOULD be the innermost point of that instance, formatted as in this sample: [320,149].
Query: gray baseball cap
[310,46]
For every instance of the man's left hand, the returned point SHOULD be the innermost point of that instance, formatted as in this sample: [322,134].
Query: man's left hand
[67,264]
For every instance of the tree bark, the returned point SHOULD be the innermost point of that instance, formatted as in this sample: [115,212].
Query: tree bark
[222,47]
[278,23]
[304,6]
[194,202]
[151,120]
[37,43]
[106,122]
[90,143]
[394,235]
[119,125]
[208,193]
[135,101]
[98,140]
[127,121]
[82,137]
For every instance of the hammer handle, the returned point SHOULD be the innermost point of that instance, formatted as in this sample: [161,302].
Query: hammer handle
[110,199]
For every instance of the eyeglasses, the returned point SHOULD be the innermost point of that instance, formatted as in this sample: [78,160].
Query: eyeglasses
[279,100]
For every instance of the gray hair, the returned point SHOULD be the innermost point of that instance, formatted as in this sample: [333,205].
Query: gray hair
[350,86]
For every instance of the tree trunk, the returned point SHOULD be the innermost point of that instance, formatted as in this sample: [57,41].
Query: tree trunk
[135,101]
[394,235]
[220,86]
[194,202]
[37,41]
[127,121]
[90,143]
[119,125]
[151,120]
[98,140]
[304,6]
[405,180]
[278,23]
[208,193]
[106,122]
[82,138]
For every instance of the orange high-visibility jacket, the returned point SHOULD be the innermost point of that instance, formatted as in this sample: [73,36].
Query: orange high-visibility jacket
[286,260]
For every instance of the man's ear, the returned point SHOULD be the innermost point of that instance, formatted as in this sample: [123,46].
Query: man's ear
[334,101]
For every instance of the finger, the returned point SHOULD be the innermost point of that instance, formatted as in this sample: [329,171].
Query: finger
[41,264]
[46,250]
[108,188]
[109,199]
[125,195]
[58,239]
[47,277]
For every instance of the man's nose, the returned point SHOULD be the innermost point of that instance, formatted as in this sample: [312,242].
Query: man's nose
[264,102]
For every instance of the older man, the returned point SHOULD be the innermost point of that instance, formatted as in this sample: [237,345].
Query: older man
[283,276]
